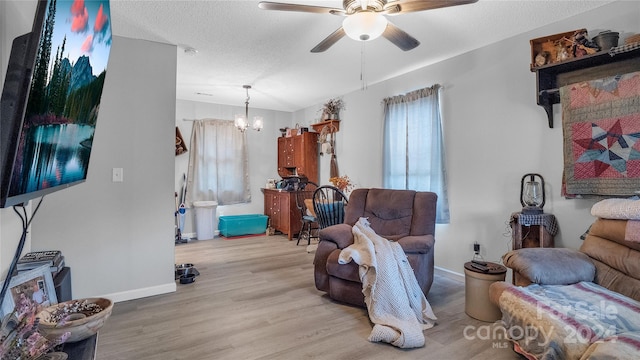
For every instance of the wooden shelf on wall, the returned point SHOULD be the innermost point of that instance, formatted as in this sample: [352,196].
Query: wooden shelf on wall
[550,78]
[333,123]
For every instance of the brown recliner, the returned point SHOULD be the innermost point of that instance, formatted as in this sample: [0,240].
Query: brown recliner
[405,216]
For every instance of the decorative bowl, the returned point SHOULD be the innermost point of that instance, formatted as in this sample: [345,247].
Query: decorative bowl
[85,318]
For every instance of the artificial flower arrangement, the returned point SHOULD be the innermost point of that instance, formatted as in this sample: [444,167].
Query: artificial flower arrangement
[20,338]
[342,182]
[332,107]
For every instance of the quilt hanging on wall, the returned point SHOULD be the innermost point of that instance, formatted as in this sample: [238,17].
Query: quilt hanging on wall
[601,132]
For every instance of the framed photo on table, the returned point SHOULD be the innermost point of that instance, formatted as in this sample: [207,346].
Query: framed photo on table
[36,284]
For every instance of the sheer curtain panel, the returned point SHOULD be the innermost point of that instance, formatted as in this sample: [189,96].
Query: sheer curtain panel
[413,145]
[218,163]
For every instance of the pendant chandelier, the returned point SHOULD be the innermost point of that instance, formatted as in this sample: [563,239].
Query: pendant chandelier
[242,120]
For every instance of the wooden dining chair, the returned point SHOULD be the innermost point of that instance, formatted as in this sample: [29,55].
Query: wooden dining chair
[329,205]
[309,229]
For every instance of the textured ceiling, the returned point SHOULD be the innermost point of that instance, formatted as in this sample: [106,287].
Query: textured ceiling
[238,44]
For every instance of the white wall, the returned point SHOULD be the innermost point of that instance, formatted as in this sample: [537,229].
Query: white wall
[118,237]
[495,133]
[105,229]
[262,151]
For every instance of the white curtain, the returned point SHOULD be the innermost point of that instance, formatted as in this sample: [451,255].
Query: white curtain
[414,147]
[218,163]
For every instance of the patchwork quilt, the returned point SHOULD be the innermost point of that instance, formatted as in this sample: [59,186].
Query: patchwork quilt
[601,129]
[578,321]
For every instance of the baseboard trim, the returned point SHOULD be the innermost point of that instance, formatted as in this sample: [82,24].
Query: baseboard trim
[449,274]
[141,293]
[193,236]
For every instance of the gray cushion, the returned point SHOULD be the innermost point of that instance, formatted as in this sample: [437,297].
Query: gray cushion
[551,266]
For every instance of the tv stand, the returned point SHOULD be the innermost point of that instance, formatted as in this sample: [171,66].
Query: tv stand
[62,283]
[82,350]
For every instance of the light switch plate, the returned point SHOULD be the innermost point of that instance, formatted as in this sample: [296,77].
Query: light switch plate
[117,175]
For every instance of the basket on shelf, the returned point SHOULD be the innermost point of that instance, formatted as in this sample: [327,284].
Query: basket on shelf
[632,39]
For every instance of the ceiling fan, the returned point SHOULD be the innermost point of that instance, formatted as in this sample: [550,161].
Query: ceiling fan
[365,20]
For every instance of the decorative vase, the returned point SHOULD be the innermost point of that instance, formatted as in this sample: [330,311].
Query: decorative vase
[330,116]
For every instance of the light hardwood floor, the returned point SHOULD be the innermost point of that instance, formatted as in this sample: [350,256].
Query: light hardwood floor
[255,299]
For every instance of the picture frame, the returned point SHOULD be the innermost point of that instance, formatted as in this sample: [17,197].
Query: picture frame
[37,284]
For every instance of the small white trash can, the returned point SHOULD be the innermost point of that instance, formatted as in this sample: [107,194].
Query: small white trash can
[205,219]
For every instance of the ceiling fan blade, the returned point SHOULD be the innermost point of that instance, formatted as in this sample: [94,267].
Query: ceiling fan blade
[400,38]
[268,5]
[329,40]
[407,6]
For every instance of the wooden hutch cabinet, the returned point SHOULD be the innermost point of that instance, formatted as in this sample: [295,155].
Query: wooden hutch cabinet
[285,155]
[297,155]
[280,207]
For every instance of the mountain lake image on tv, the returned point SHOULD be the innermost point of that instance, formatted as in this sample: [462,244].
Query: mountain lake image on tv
[53,143]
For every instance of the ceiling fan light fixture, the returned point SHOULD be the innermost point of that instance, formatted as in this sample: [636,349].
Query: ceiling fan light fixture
[364,25]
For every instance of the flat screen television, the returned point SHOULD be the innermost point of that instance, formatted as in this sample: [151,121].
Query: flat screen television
[51,98]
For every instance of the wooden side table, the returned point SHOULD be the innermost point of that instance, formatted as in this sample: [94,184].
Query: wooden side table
[533,230]
[476,291]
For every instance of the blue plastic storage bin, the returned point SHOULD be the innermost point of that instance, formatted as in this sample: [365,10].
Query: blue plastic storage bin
[236,225]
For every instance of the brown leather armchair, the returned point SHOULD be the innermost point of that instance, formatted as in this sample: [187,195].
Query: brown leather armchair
[405,216]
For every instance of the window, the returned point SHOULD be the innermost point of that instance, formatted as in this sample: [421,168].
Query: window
[414,147]
[218,163]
